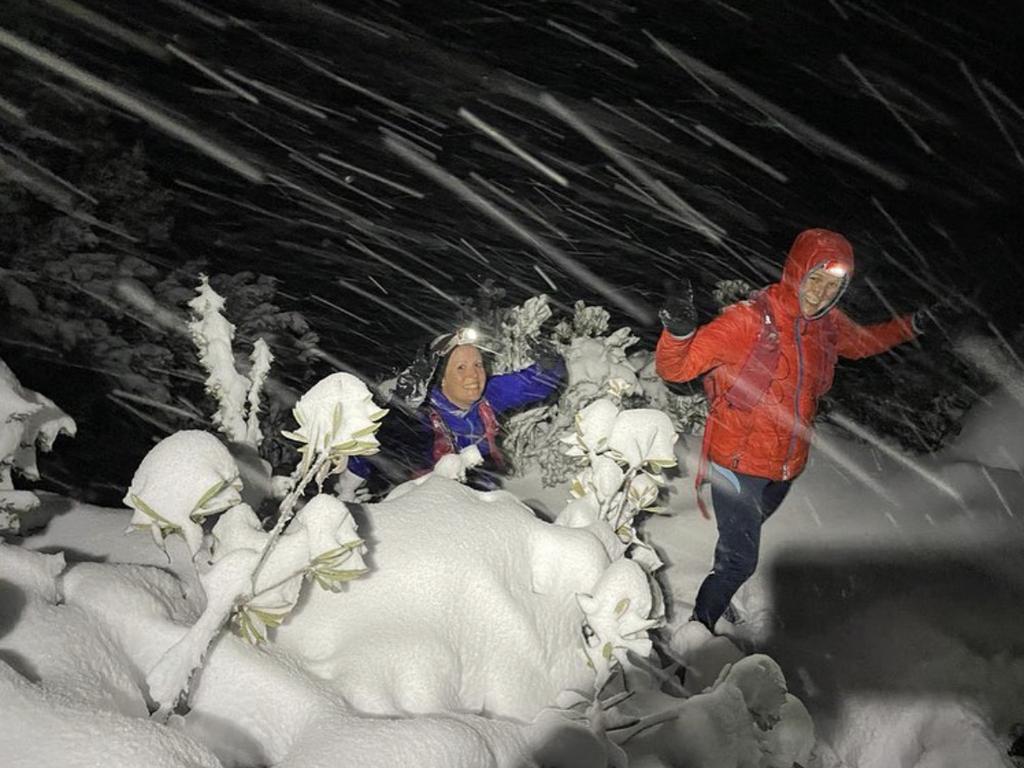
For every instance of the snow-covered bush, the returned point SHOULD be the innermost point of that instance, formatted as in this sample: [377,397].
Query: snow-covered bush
[184,479]
[237,396]
[28,421]
[619,615]
[623,453]
[255,577]
[595,359]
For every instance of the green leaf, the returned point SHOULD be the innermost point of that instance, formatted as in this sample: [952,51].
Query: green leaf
[606,650]
[162,521]
[212,491]
[331,554]
[336,417]
[621,606]
[367,430]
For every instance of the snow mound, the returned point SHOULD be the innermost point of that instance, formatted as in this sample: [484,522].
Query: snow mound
[79,700]
[470,605]
[993,433]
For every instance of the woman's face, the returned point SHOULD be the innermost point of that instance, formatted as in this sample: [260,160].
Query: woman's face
[819,291]
[464,376]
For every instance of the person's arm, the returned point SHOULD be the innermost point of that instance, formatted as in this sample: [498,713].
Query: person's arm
[720,341]
[856,341]
[532,384]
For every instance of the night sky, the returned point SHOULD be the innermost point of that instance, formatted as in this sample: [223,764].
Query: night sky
[634,143]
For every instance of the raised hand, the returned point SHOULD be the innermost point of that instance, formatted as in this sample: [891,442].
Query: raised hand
[679,315]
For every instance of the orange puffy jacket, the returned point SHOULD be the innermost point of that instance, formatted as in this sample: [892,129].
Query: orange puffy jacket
[772,438]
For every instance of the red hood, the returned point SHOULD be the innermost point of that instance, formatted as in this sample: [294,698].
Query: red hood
[813,248]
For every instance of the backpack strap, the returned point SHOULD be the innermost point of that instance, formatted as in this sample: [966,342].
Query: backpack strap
[490,422]
[444,440]
[755,375]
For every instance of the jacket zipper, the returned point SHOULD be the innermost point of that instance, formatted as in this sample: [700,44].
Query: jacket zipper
[796,398]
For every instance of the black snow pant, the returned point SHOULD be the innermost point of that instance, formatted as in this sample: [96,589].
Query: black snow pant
[742,503]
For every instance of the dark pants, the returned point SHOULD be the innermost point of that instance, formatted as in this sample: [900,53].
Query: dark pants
[742,503]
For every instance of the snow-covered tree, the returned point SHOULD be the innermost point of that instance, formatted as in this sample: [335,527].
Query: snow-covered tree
[28,421]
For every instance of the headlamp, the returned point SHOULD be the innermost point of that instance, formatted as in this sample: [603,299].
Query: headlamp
[446,342]
[835,268]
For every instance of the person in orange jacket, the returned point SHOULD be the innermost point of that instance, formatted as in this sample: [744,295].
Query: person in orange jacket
[766,363]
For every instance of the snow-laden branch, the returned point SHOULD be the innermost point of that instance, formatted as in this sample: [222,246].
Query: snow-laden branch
[237,396]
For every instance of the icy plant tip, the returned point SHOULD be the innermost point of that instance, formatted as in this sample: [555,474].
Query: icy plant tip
[337,418]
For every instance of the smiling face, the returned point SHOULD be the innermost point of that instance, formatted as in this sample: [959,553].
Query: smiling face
[464,376]
[818,292]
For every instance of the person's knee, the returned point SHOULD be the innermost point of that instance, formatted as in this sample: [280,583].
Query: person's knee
[738,563]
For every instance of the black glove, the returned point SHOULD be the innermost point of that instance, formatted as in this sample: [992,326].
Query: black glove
[679,315]
[943,316]
[545,355]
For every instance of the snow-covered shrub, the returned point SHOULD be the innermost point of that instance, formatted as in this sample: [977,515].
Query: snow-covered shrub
[184,479]
[623,453]
[337,418]
[619,615]
[321,545]
[255,577]
[28,421]
[237,395]
[520,329]
[595,359]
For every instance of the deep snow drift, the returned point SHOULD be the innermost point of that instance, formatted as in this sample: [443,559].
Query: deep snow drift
[470,614]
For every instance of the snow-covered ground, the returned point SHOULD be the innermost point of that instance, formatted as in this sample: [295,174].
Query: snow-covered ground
[454,653]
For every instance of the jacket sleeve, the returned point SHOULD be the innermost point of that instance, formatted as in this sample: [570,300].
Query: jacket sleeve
[856,341]
[530,385]
[722,341]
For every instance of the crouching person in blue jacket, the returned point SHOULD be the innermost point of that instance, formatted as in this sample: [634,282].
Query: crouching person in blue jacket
[463,404]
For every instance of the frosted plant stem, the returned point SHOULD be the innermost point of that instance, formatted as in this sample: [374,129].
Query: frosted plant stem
[285,512]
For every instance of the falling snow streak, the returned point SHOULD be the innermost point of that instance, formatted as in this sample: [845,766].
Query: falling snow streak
[369,93]
[605,49]
[521,207]
[742,153]
[797,126]
[1007,101]
[370,175]
[903,236]
[991,111]
[532,123]
[870,87]
[155,117]
[632,307]
[194,62]
[105,26]
[493,133]
[431,329]
[895,454]
[47,173]
[401,270]
[276,93]
[11,109]
[688,215]
[203,15]
[630,119]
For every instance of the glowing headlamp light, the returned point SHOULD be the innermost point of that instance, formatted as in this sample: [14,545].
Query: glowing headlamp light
[835,268]
[446,342]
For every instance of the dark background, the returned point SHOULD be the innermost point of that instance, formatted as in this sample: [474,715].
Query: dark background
[373,277]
